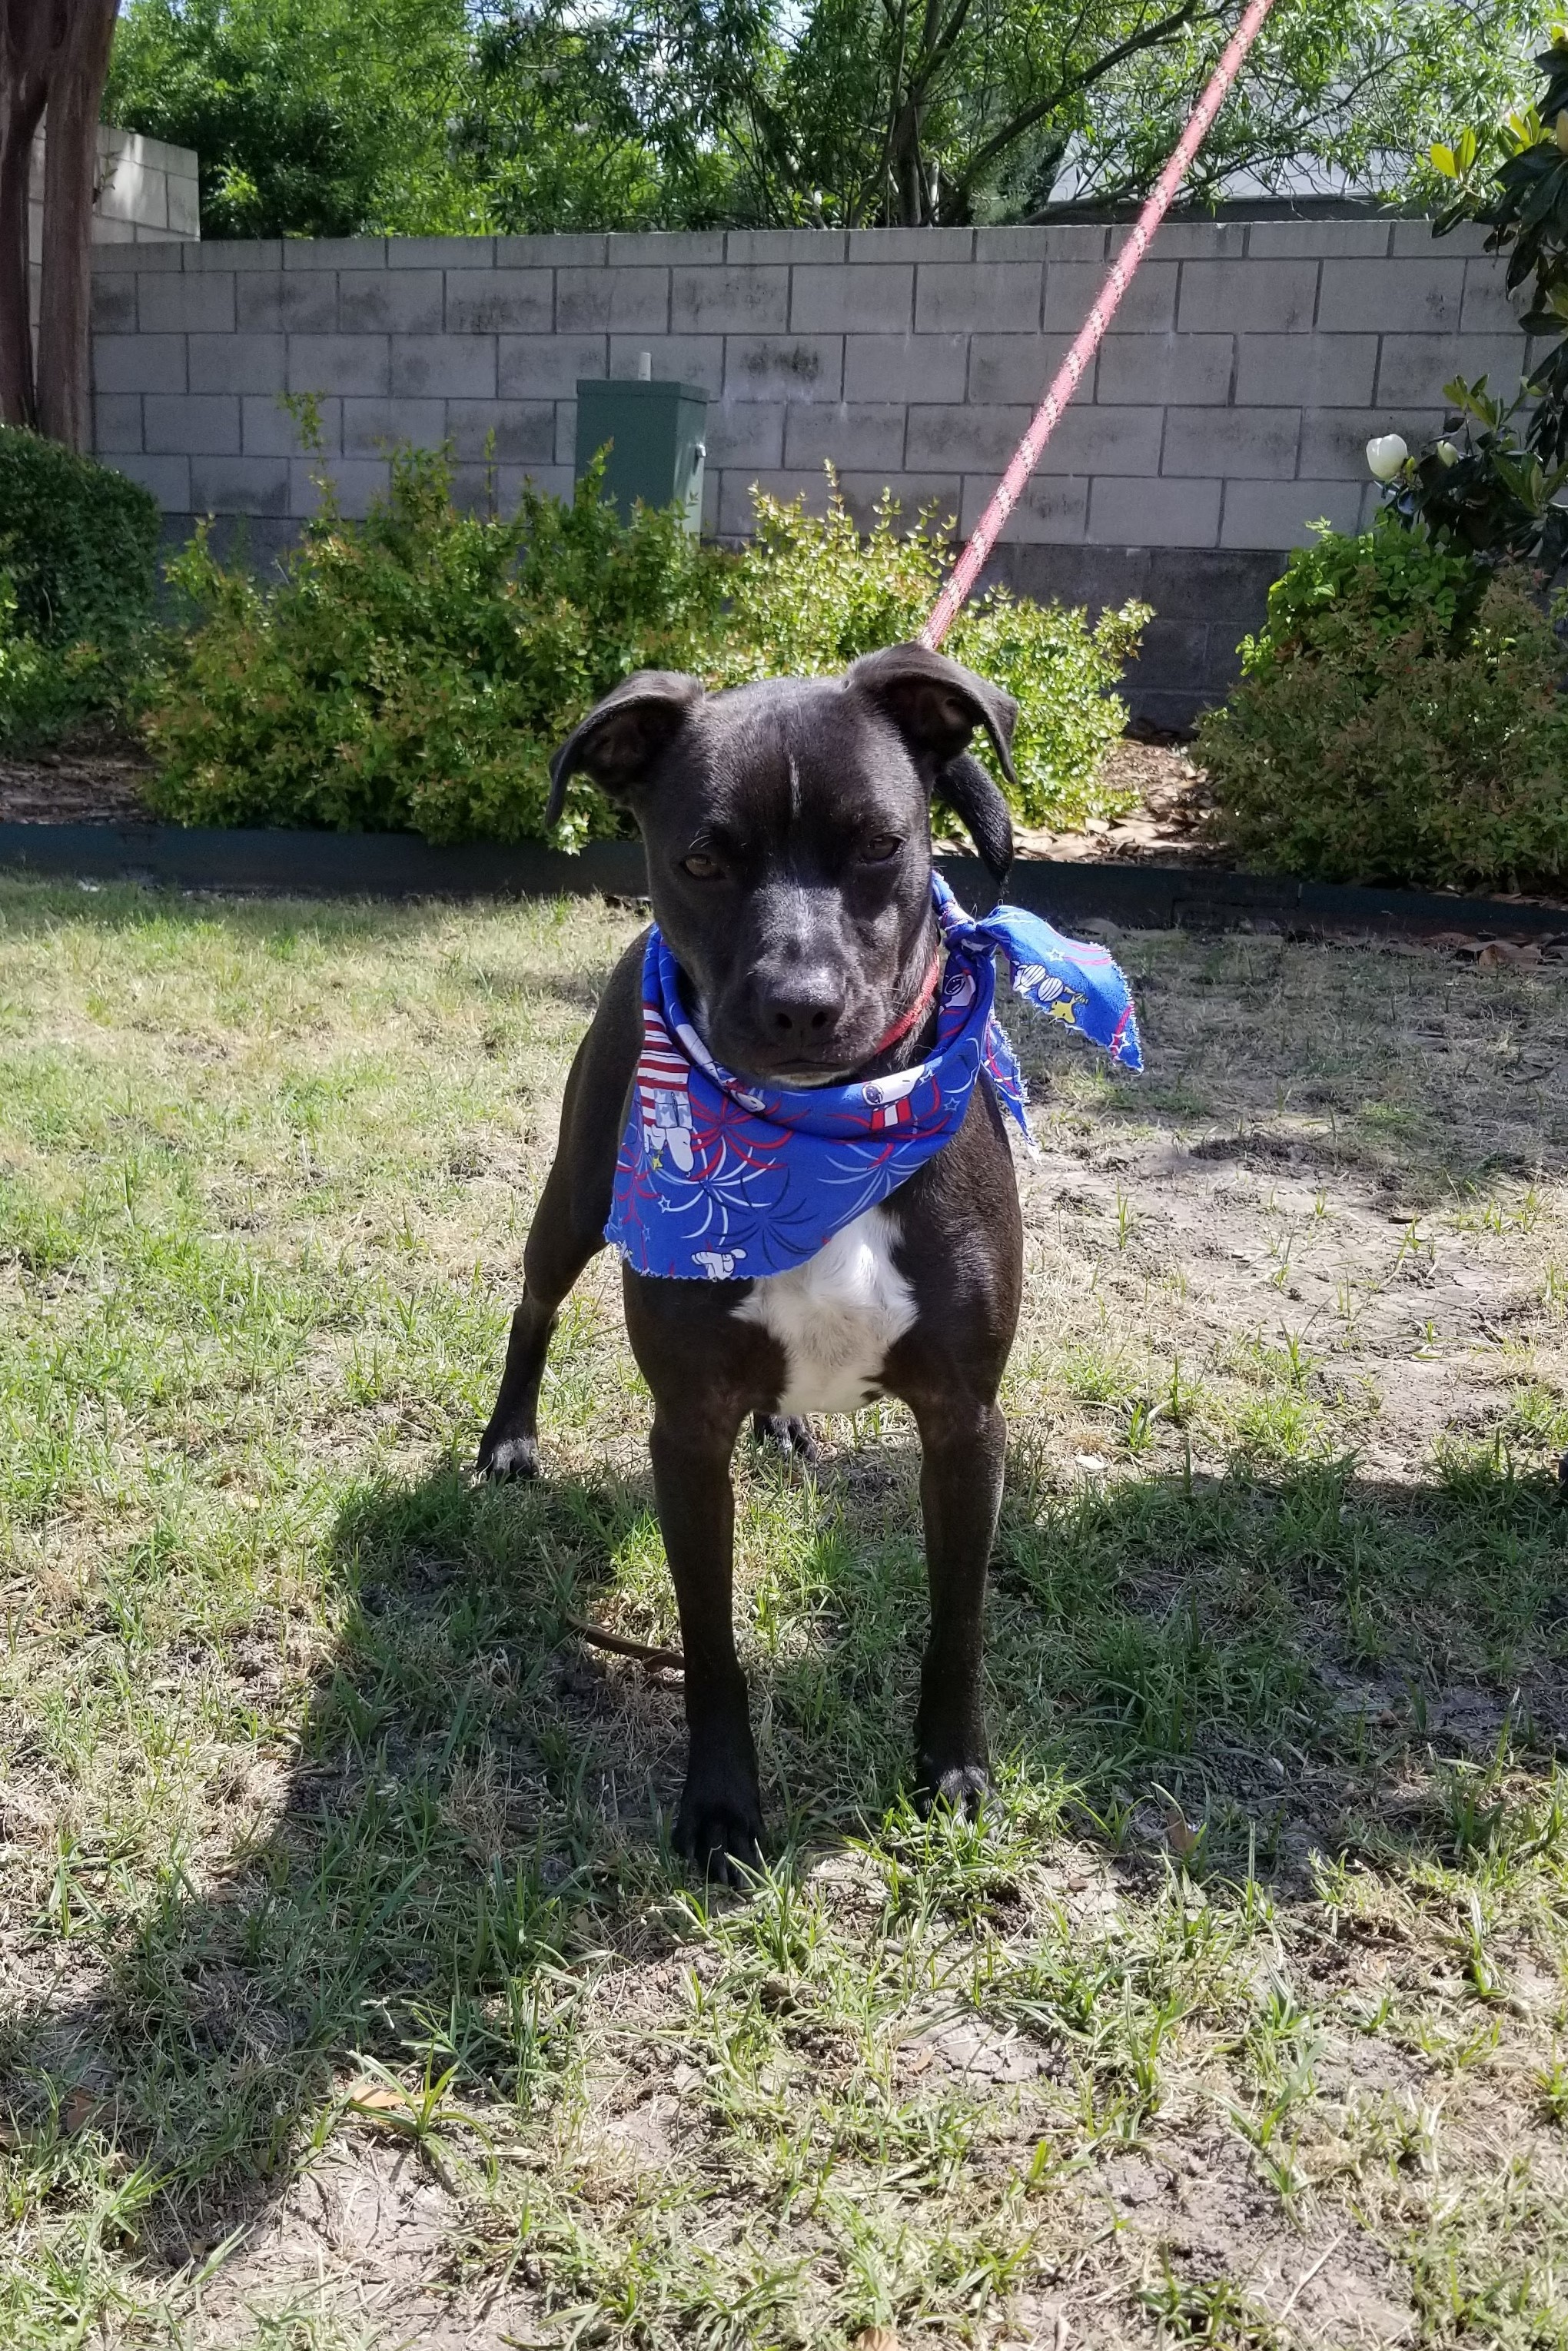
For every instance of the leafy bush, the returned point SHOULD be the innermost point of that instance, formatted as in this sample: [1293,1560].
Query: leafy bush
[809,596]
[78,548]
[417,670]
[1399,720]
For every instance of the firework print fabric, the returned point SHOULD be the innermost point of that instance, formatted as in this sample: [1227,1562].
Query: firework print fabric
[723,1180]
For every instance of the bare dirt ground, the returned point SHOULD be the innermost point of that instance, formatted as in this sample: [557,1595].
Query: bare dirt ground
[348,1996]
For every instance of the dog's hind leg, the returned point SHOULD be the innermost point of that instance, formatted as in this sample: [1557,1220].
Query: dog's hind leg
[567,1228]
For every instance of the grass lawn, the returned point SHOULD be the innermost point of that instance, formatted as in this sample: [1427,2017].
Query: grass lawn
[348,1995]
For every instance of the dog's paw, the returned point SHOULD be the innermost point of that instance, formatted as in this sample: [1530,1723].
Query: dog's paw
[720,1835]
[962,1788]
[777,1432]
[507,1458]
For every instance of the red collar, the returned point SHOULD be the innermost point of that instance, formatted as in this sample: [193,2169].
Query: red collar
[905,1022]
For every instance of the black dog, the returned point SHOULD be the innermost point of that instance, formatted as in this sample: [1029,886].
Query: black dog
[788,835]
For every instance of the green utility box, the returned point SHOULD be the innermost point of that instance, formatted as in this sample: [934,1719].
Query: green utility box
[655,432]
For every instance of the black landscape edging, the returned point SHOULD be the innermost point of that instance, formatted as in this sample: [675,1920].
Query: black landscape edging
[401,865]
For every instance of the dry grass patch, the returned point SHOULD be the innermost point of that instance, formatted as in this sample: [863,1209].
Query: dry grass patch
[351,1998]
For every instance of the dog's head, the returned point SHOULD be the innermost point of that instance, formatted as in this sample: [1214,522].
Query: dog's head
[788,840]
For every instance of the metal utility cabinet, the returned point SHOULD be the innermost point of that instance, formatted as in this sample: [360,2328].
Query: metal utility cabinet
[654,431]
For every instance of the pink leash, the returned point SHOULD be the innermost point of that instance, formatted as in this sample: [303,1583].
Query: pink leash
[1070,374]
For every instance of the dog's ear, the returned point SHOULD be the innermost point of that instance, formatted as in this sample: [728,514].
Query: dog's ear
[619,740]
[937,706]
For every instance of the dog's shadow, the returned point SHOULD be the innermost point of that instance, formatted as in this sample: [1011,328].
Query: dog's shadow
[476,1797]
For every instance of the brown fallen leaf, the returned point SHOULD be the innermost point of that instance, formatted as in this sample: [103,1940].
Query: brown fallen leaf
[1183,1836]
[368,2097]
[79,2109]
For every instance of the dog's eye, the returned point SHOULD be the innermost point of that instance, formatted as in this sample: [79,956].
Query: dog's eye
[701,868]
[881,849]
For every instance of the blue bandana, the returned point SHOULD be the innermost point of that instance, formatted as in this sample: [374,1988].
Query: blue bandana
[723,1179]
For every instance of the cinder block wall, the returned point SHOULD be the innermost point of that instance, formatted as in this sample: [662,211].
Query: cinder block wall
[1229,406]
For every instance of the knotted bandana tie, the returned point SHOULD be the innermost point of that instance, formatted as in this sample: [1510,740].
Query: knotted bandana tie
[725,1179]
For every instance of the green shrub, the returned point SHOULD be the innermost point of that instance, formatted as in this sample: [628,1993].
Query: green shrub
[79,542]
[417,670]
[809,596]
[1378,735]
[78,549]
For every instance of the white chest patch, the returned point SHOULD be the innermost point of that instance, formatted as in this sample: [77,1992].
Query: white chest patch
[835,1317]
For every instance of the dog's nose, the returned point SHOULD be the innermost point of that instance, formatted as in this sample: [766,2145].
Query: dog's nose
[804,1012]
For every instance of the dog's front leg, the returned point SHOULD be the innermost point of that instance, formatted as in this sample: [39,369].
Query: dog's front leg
[719,1823]
[964,1447]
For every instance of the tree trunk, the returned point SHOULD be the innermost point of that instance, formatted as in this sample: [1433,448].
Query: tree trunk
[76,90]
[908,167]
[24,84]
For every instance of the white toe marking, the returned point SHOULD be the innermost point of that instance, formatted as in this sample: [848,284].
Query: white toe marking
[835,1317]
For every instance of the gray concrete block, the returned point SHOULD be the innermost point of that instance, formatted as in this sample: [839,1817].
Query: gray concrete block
[114,259]
[1189,240]
[621,300]
[1194,370]
[500,301]
[372,427]
[113,305]
[675,359]
[154,255]
[818,244]
[270,303]
[866,298]
[347,364]
[1104,441]
[167,305]
[1405,297]
[443,252]
[268,430]
[1488,309]
[1333,440]
[387,301]
[663,248]
[847,436]
[1413,369]
[1064,242]
[1128,513]
[139,363]
[546,367]
[523,430]
[1248,297]
[1052,507]
[248,253]
[1415,237]
[942,440]
[168,478]
[549,481]
[1002,296]
[905,367]
[566,432]
[1147,307]
[729,301]
[1238,443]
[1318,240]
[550,252]
[1005,368]
[116,424]
[358,482]
[334,253]
[790,367]
[178,424]
[746,433]
[1280,514]
[238,362]
[239,486]
[1303,371]
[915,245]
[461,367]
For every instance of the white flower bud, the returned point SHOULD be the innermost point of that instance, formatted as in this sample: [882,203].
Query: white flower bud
[1446,453]
[1385,455]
